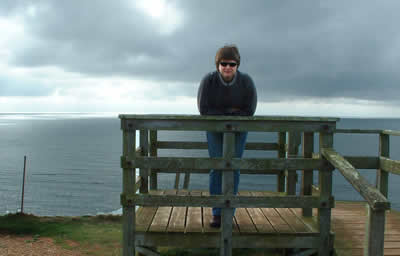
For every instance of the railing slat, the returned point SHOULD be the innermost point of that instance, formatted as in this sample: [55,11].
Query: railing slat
[129,186]
[227,190]
[325,185]
[382,176]
[391,132]
[153,153]
[359,162]
[373,196]
[203,145]
[294,140]
[273,201]
[281,154]
[360,131]
[389,165]
[190,163]
[307,175]
[374,233]
[226,125]
[143,172]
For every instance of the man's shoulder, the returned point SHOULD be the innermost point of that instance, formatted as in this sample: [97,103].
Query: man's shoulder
[209,77]
[246,79]
[244,75]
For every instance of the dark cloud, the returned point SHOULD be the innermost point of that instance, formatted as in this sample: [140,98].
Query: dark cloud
[292,49]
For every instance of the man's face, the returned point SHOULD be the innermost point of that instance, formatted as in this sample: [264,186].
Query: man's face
[228,69]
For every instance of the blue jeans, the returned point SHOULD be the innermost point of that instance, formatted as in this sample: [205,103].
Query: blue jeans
[215,145]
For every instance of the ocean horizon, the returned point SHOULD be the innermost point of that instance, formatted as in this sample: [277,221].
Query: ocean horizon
[73,161]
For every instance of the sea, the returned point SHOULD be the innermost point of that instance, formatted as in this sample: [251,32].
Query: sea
[73,162]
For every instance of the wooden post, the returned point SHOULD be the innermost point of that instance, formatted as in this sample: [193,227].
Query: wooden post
[227,189]
[374,233]
[177,179]
[307,175]
[293,149]
[325,185]
[186,181]
[23,186]
[382,177]
[153,152]
[129,187]
[281,154]
[143,173]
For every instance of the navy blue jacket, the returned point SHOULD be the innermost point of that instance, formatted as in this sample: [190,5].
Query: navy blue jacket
[215,98]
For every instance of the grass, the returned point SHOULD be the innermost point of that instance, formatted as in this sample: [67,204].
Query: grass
[93,235]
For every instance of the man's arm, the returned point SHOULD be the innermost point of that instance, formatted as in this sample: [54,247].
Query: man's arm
[250,100]
[203,102]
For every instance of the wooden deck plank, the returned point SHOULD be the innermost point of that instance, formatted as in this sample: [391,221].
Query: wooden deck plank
[145,215]
[274,218]
[178,216]
[244,222]
[161,219]
[194,217]
[260,221]
[292,220]
[243,219]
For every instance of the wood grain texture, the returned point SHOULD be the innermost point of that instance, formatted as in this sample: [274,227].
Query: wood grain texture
[162,216]
[194,221]
[373,196]
[177,221]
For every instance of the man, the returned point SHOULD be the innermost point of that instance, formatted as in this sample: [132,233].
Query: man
[226,92]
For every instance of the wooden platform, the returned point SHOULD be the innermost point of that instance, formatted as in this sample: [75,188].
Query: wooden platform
[188,227]
[348,223]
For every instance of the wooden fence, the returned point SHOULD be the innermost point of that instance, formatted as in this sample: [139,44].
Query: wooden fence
[284,166]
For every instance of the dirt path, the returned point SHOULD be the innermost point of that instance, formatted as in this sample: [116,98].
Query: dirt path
[33,246]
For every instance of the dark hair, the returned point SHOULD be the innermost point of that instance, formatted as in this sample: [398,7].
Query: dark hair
[228,52]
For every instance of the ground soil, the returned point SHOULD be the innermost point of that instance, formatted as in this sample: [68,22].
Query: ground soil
[12,245]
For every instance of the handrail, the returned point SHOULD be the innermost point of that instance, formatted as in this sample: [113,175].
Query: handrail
[204,145]
[391,132]
[372,195]
[277,200]
[390,165]
[361,131]
[191,163]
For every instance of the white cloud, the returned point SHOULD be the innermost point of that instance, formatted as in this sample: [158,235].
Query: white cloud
[165,13]
[337,107]
[12,35]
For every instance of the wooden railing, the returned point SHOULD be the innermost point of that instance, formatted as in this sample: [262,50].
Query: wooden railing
[155,145]
[376,196]
[146,160]
[284,166]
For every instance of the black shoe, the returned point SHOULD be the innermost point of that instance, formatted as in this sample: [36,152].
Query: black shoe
[215,222]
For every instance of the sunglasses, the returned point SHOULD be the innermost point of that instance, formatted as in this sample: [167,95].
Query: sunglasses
[231,64]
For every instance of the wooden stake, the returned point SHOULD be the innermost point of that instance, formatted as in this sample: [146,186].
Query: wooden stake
[23,186]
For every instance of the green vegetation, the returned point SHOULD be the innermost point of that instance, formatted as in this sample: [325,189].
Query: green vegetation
[92,235]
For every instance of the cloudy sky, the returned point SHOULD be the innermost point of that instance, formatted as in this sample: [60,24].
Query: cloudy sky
[329,58]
